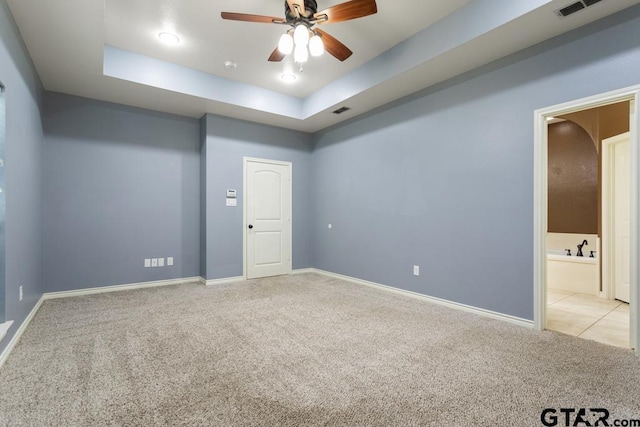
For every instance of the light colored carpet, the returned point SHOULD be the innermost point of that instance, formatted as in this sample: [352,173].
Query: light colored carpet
[297,350]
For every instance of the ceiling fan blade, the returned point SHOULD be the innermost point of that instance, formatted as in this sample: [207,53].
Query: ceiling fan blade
[334,46]
[345,11]
[276,55]
[251,18]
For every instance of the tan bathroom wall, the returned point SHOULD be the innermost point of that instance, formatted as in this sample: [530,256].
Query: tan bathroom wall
[602,123]
[572,180]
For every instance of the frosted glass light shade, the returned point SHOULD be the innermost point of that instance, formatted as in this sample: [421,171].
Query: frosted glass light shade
[285,45]
[301,35]
[300,54]
[316,47]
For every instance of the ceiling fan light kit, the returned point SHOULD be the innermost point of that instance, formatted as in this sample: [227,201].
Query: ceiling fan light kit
[301,35]
[285,45]
[302,16]
[300,54]
[316,47]
[302,38]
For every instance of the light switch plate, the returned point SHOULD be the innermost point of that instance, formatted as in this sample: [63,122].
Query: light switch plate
[160,262]
[154,262]
[170,260]
[147,262]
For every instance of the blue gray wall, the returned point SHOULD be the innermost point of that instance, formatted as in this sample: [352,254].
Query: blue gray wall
[227,142]
[203,196]
[3,204]
[444,180]
[23,174]
[121,185]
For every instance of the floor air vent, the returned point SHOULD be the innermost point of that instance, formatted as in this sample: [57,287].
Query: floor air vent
[576,7]
[341,110]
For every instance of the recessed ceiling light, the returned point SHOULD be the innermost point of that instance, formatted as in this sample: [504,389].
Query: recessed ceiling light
[288,77]
[230,65]
[169,38]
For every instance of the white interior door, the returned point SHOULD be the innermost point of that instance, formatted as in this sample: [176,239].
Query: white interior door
[622,217]
[268,218]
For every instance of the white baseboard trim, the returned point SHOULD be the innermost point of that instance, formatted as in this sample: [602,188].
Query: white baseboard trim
[118,288]
[223,281]
[304,271]
[451,304]
[14,340]
[4,328]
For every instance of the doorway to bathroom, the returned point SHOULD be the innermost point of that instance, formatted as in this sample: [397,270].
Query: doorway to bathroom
[586,217]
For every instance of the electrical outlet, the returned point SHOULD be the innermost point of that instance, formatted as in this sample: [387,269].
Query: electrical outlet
[170,260]
[160,262]
[21,293]
[416,270]
[147,262]
[154,262]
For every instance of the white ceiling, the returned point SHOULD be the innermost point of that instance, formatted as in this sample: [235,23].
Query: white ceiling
[405,47]
[208,40]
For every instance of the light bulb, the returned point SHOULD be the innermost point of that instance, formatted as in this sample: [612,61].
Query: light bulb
[169,38]
[316,47]
[300,54]
[301,35]
[285,45]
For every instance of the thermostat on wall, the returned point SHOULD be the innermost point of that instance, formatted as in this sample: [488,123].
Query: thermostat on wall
[231,194]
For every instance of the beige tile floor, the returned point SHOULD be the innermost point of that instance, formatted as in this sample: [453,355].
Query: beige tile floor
[588,316]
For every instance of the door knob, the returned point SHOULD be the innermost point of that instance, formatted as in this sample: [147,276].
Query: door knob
[250,226]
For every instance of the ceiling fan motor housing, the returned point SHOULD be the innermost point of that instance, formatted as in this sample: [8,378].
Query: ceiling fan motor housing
[310,5]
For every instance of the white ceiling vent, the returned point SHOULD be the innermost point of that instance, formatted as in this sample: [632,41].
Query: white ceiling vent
[575,7]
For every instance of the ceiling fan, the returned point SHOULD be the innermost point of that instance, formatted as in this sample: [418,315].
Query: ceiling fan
[302,16]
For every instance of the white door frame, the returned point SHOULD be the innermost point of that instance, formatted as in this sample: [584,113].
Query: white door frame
[607,217]
[246,160]
[540,199]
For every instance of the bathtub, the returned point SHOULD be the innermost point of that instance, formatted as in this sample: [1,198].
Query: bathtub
[573,273]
